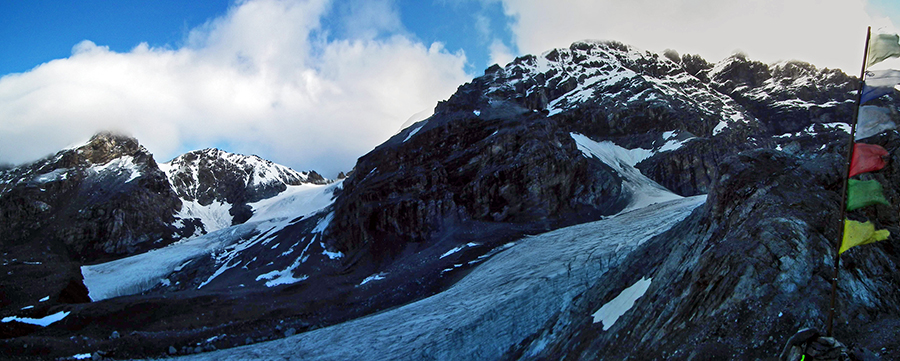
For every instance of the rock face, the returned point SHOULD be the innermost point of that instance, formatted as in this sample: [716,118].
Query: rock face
[574,135]
[101,200]
[105,199]
[748,270]
[467,173]
[212,175]
[785,96]
[109,199]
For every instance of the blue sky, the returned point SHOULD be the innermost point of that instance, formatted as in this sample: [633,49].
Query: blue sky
[314,84]
[35,32]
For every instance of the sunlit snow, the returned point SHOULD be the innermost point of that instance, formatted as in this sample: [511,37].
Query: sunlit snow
[121,165]
[214,216]
[413,132]
[53,176]
[671,142]
[295,201]
[143,271]
[644,190]
[140,272]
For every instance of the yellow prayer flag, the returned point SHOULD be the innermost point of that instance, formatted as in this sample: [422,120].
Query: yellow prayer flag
[858,233]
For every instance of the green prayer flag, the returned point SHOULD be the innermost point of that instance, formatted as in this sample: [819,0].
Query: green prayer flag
[858,233]
[864,193]
[881,47]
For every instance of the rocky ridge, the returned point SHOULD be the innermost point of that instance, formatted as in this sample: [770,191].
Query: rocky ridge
[232,181]
[510,155]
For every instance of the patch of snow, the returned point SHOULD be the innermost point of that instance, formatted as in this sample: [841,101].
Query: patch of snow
[141,272]
[477,113]
[615,308]
[413,132]
[282,277]
[181,266]
[720,127]
[213,216]
[286,276]
[45,299]
[457,249]
[671,142]
[331,255]
[838,125]
[120,166]
[215,274]
[644,191]
[53,176]
[82,356]
[27,308]
[323,223]
[374,277]
[452,251]
[43,321]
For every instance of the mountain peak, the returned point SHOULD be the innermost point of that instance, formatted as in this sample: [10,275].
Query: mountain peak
[106,146]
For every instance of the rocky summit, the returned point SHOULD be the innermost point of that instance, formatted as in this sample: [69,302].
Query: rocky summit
[592,202]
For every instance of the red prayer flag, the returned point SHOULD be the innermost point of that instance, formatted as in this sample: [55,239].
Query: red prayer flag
[866,158]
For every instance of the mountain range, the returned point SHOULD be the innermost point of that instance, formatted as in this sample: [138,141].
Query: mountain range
[592,202]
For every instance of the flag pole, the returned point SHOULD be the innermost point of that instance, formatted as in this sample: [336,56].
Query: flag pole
[837,254]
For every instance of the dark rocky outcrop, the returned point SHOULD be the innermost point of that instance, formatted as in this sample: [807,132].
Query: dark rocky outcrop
[212,175]
[747,270]
[467,172]
[786,96]
[102,200]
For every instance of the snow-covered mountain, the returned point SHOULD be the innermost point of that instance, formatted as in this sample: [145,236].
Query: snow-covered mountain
[108,199]
[217,187]
[592,202]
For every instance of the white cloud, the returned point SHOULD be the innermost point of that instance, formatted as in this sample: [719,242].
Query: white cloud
[827,33]
[499,53]
[260,79]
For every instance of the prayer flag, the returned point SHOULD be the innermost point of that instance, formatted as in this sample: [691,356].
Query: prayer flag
[881,47]
[866,158]
[857,233]
[873,120]
[878,83]
[864,193]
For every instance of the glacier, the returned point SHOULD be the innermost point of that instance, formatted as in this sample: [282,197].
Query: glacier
[496,306]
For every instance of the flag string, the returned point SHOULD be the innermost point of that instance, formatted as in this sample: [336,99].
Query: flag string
[837,254]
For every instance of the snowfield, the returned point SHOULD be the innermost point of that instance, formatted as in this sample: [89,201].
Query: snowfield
[141,272]
[499,304]
[644,190]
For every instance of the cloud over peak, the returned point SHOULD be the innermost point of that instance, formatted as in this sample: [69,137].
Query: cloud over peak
[261,79]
